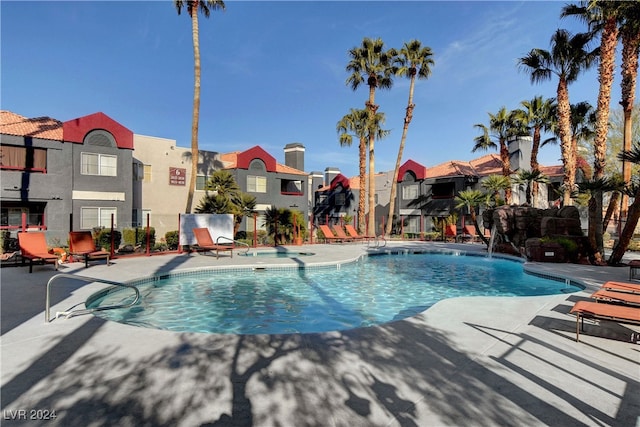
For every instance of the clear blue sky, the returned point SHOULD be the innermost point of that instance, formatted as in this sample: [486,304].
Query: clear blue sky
[274,72]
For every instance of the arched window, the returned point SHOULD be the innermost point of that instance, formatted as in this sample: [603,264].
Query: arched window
[100,138]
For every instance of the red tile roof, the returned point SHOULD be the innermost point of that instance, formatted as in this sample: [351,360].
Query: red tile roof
[39,127]
[230,161]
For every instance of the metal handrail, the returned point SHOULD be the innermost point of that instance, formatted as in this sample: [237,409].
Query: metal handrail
[47,316]
[234,242]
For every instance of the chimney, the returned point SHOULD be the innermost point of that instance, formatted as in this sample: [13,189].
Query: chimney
[520,152]
[294,155]
[329,174]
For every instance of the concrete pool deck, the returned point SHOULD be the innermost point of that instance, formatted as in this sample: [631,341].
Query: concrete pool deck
[481,361]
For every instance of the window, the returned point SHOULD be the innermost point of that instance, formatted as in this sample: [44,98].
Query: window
[23,158]
[147,173]
[291,188]
[256,184]
[201,182]
[98,164]
[97,217]
[443,191]
[410,192]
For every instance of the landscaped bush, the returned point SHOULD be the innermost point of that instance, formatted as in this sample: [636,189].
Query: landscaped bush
[103,238]
[173,239]
[138,236]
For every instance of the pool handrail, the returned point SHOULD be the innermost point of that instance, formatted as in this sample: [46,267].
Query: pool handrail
[235,242]
[47,315]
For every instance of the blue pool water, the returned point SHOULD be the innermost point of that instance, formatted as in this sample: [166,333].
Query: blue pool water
[375,290]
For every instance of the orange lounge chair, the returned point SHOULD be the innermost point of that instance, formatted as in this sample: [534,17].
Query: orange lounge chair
[33,246]
[612,312]
[328,235]
[353,233]
[205,242]
[81,244]
[339,233]
[622,287]
[450,232]
[605,295]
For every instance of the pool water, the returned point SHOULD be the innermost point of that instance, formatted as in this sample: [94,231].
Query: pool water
[375,290]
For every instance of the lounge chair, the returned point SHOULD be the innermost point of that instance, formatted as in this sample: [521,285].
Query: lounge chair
[33,246]
[468,232]
[339,232]
[622,287]
[81,244]
[450,232]
[353,233]
[328,234]
[605,295]
[612,312]
[206,243]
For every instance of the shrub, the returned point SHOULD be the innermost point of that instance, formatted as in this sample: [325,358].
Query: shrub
[103,238]
[138,236]
[173,239]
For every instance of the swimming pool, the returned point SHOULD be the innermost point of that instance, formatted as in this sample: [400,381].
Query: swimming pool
[375,290]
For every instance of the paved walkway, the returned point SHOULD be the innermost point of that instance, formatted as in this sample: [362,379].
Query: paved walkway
[482,361]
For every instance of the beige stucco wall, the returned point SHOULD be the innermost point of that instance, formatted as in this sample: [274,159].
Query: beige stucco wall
[165,201]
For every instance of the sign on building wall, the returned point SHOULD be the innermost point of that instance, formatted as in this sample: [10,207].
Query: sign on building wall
[177,176]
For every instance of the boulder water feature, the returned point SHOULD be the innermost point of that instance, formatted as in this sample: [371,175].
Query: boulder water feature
[550,235]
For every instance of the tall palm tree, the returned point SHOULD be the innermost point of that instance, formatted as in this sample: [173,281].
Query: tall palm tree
[617,184]
[527,179]
[568,57]
[495,184]
[502,126]
[414,61]
[358,123]
[602,18]
[193,7]
[472,199]
[633,216]
[630,35]
[538,116]
[372,65]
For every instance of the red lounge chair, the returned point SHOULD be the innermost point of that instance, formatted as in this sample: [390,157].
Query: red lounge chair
[612,312]
[81,244]
[353,233]
[206,243]
[328,235]
[605,295]
[622,287]
[339,233]
[450,232]
[33,246]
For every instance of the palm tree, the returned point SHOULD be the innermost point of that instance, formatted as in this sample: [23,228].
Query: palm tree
[602,17]
[538,115]
[223,183]
[630,34]
[370,63]
[568,57]
[413,61]
[617,184]
[223,196]
[633,215]
[357,122]
[193,7]
[502,126]
[495,184]
[472,199]
[527,179]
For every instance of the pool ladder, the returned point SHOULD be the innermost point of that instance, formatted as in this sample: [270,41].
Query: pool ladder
[67,314]
[235,242]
